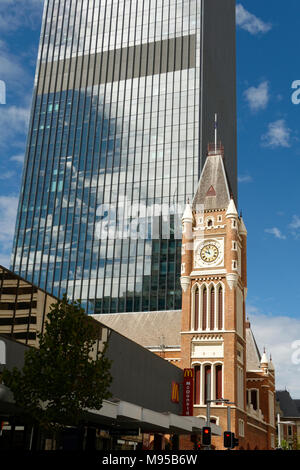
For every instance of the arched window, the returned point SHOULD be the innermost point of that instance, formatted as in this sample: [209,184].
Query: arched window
[218,382]
[207,389]
[197,375]
[220,308]
[204,309]
[212,308]
[196,321]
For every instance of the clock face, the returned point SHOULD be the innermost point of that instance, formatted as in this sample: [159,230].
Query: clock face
[209,253]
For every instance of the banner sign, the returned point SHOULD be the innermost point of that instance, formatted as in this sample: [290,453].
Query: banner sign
[188,392]
[175,392]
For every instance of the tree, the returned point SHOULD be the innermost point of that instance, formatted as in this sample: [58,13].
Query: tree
[66,375]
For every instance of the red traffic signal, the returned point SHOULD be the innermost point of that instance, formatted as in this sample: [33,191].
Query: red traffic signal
[206,436]
[228,439]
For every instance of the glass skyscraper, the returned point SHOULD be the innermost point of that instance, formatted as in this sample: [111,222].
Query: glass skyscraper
[123,107]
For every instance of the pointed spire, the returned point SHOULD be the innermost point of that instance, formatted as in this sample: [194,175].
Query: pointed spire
[264,360]
[231,211]
[243,230]
[271,365]
[188,214]
[213,189]
[216,132]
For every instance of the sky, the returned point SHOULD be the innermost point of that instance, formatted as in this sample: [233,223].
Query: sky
[268,156]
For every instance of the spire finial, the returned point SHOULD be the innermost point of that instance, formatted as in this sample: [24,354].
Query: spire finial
[216,131]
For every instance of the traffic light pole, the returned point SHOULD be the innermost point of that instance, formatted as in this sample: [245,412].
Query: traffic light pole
[228,418]
[220,400]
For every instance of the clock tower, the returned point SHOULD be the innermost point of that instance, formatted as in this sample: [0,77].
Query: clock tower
[214,289]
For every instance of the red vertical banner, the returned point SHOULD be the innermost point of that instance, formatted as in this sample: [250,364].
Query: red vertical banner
[188,392]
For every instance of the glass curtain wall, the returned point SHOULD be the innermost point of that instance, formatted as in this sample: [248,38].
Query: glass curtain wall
[114,123]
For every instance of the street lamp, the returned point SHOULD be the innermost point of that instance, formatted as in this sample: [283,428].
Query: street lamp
[279,430]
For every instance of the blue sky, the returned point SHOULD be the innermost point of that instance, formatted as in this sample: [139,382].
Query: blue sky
[268,152]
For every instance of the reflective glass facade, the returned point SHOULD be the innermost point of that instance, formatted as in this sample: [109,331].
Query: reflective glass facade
[122,111]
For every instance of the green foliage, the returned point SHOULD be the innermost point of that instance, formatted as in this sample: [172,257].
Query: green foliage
[65,375]
[284,445]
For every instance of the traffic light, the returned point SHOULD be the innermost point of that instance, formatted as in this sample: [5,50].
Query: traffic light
[228,439]
[206,436]
[235,442]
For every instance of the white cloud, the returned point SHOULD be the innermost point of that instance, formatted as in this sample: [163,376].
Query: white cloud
[278,334]
[5,260]
[245,179]
[8,212]
[257,97]
[13,121]
[278,135]
[250,22]
[17,158]
[18,13]
[6,175]
[295,224]
[276,232]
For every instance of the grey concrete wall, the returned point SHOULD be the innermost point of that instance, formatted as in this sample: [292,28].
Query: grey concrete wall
[140,376]
[14,352]
[219,82]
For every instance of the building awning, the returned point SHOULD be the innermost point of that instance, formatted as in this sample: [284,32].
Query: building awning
[123,415]
[130,416]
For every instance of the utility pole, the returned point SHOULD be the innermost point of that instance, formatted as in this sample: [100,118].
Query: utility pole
[279,428]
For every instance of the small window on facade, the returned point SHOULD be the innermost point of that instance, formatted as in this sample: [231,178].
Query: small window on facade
[254,399]
[209,223]
[241,428]
[219,218]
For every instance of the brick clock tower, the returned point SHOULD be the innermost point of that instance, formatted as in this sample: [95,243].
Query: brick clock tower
[214,290]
